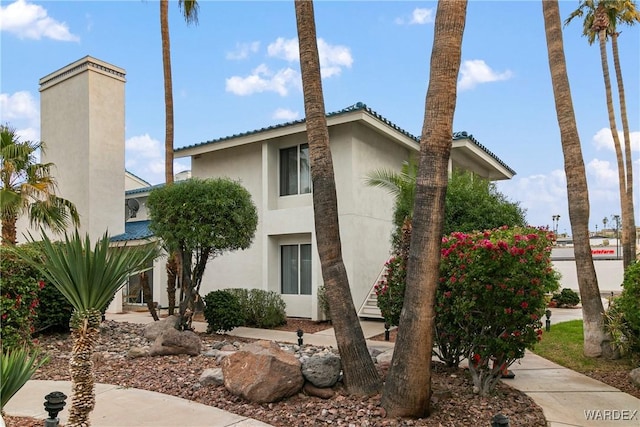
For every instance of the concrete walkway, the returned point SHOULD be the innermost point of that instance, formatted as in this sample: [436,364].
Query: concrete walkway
[566,397]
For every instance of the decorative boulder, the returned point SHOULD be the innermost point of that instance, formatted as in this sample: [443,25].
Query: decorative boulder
[155,329]
[322,369]
[635,377]
[261,372]
[323,393]
[385,357]
[135,352]
[173,341]
[212,376]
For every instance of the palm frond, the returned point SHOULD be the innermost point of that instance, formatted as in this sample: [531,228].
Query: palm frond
[16,368]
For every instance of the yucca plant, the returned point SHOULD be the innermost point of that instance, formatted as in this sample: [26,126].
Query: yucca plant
[88,278]
[16,368]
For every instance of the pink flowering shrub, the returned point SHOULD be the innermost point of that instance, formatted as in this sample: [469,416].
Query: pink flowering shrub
[18,300]
[489,301]
[490,298]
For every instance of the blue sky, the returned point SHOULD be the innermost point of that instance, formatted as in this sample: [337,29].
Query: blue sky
[237,70]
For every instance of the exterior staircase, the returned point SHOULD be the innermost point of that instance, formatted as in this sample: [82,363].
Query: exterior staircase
[369,308]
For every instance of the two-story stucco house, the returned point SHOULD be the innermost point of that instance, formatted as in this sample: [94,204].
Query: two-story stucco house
[272,163]
[82,114]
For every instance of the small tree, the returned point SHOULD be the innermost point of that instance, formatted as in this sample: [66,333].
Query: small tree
[201,219]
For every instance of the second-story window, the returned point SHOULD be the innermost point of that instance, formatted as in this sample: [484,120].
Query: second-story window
[295,175]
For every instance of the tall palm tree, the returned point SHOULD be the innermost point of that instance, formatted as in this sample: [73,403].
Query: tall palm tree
[360,374]
[407,390]
[600,21]
[28,188]
[88,278]
[577,192]
[190,12]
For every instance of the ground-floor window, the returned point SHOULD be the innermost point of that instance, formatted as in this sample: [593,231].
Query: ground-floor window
[295,269]
[133,289]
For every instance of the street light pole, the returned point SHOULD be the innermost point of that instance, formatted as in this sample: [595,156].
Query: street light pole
[616,218]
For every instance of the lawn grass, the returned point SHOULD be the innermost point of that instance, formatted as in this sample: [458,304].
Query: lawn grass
[563,344]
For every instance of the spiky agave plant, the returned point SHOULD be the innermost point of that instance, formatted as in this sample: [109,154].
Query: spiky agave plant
[17,365]
[88,278]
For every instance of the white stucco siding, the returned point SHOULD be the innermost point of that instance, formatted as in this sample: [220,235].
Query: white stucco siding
[240,269]
[82,123]
[367,229]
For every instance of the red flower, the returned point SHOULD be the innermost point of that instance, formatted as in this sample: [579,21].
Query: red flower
[41,284]
[524,304]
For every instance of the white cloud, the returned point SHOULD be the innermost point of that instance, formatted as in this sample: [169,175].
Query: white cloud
[243,50]
[422,16]
[31,21]
[144,157]
[476,71]
[262,79]
[333,58]
[604,140]
[604,173]
[419,16]
[18,106]
[282,48]
[285,114]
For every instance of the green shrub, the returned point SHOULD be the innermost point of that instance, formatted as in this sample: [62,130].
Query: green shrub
[54,311]
[222,311]
[18,298]
[566,298]
[260,308]
[629,305]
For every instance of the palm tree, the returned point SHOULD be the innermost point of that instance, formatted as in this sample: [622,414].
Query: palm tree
[600,20]
[190,12]
[407,390]
[577,192]
[28,187]
[402,186]
[360,375]
[88,278]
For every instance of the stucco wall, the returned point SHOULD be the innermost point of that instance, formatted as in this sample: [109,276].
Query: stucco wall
[82,124]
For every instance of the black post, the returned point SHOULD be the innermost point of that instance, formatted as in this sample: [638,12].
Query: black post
[547,323]
[54,402]
[300,333]
[500,420]
[386,331]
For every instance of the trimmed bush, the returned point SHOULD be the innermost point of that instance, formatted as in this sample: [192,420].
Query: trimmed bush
[54,311]
[222,311]
[260,308]
[566,298]
[18,298]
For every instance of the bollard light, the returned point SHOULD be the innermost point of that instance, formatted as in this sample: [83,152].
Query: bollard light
[300,332]
[547,323]
[500,420]
[54,403]
[386,331]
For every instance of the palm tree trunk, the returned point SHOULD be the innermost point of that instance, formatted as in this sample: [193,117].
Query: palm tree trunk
[577,192]
[628,211]
[168,139]
[85,330]
[9,235]
[407,390]
[360,375]
[601,24]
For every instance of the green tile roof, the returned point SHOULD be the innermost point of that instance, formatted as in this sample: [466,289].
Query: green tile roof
[359,106]
[135,230]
